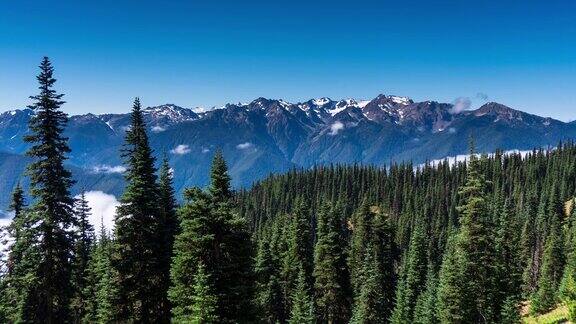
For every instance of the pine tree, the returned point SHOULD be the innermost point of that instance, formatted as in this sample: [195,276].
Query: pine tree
[268,290]
[425,309]
[21,259]
[83,247]
[453,299]
[331,287]
[204,306]
[546,296]
[137,255]
[470,300]
[101,290]
[213,234]
[413,280]
[369,306]
[302,311]
[49,290]
[169,228]
[299,254]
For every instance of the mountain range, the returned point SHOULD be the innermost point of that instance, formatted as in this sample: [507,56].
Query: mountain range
[269,136]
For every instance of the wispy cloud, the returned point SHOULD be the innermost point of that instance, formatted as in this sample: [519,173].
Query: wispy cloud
[109,169]
[244,146]
[158,129]
[181,149]
[482,96]
[460,104]
[336,128]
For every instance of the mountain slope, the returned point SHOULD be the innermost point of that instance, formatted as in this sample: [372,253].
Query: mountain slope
[269,135]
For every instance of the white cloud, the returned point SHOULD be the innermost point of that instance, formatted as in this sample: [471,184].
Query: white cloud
[181,149]
[109,169]
[460,104]
[335,128]
[103,208]
[205,150]
[453,160]
[244,146]
[158,129]
[451,130]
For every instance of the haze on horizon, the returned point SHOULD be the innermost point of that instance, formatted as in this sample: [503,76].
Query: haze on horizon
[521,54]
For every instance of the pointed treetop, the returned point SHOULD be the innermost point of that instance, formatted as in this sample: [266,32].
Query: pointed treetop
[219,179]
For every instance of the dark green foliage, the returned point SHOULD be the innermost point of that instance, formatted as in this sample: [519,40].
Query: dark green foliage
[299,254]
[331,286]
[413,279]
[204,302]
[212,234]
[370,304]
[302,306]
[425,309]
[546,296]
[168,229]
[269,298]
[100,290]
[137,255]
[83,248]
[47,289]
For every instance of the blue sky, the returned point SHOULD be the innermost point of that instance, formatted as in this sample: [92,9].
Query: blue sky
[191,53]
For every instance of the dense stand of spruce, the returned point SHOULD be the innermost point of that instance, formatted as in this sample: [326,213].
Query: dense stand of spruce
[475,242]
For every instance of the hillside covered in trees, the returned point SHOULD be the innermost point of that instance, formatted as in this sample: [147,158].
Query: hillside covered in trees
[465,243]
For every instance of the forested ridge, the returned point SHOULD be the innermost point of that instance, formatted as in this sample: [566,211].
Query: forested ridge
[481,241]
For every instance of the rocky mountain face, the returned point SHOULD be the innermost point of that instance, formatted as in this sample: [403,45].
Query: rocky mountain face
[267,136]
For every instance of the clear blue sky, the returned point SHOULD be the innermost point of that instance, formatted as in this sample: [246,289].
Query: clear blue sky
[208,53]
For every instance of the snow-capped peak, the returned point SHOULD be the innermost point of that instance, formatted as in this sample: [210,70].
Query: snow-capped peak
[321,101]
[400,100]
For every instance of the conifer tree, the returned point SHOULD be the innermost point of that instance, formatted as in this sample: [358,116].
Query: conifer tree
[137,255]
[49,288]
[369,304]
[412,282]
[302,311]
[331,286]
[299,254]
[425,309]
[204,307]
[470,300]
[552,269]
[83,247]
[169,227]
[268,290]
[211,233]
[13,284]
[100,290]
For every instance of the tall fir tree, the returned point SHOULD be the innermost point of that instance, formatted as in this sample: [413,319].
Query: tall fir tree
[204,306]
[137,257]
[370,306]
[83,247]
[471,300]
[13,282]
[212,233]
[100,290]
[268,296]
[302,311]
[168,227]
[300,251]
[331,279]
[413,279]
[546,297]
[49,289]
